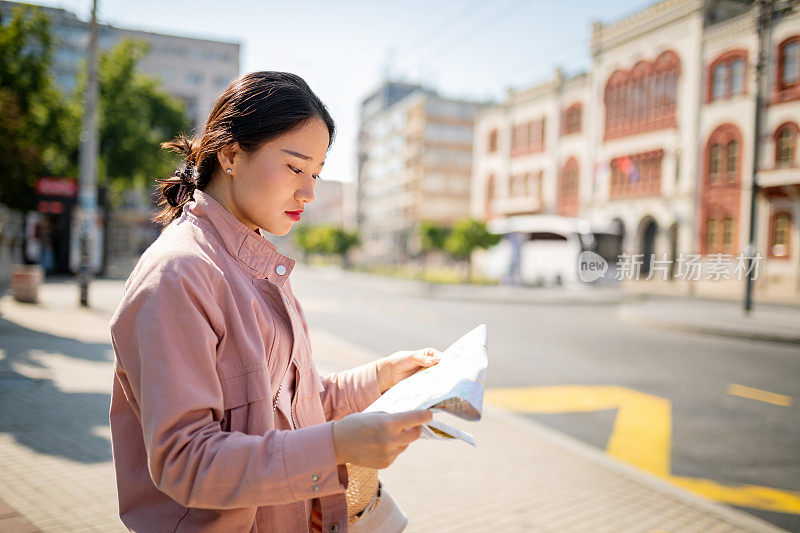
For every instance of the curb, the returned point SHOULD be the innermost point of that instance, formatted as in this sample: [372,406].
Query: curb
[627,316]
[495,294]
[350,353]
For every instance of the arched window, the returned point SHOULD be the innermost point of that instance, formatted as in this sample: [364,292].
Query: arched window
[789,56]
[787,79]
[572,119]
[727,75]
[780,230]
[785,145]
[644,98]
[723,156]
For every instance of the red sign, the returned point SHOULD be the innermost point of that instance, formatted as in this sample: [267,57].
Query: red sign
[56,187]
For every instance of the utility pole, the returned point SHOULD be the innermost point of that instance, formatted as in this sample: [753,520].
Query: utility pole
[87,195]
[767,10]
[764,23]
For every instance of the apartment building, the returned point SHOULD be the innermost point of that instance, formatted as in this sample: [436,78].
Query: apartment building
[415,165]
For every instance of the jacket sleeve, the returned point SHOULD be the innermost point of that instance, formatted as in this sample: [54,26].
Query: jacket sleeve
[346,392]
[165,334]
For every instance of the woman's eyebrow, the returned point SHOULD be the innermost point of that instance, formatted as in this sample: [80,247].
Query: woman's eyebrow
[298,154]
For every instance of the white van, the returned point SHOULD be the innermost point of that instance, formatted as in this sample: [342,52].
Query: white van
[543,250]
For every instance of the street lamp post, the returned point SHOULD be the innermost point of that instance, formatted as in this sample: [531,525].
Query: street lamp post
[87,195]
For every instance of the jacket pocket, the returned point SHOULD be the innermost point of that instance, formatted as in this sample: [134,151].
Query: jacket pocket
[309,410]
[247,402]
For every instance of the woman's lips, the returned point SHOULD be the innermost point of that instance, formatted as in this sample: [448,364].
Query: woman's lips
[294,215]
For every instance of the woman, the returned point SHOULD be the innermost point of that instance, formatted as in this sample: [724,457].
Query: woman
[219,419]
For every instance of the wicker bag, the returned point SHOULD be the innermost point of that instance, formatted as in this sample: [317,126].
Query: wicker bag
[369,506]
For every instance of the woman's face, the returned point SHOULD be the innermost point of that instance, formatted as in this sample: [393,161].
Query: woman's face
[267,185]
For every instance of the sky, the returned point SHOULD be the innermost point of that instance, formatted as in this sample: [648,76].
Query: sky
[344,49]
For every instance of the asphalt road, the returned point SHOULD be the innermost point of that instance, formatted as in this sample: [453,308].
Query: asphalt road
[715,435]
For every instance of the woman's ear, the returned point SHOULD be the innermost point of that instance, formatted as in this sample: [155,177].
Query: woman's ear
[227,155]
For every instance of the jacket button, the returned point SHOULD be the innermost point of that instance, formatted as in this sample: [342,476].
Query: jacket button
[280,269]
[314,477]
[334,528]
[315,488]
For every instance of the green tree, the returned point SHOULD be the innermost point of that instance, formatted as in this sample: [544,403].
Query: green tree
[432,236]
[468,235]
[326,240]
[34,118]
[135,117]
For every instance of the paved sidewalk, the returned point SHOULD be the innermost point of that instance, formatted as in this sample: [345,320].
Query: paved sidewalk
[56,471]
[765,322]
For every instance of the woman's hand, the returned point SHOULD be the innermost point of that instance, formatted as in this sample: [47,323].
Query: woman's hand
[375,439]
[396,367]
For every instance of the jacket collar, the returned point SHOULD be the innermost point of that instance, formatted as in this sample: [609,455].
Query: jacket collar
[247,246]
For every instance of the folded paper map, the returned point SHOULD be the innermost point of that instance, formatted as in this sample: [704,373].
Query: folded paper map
[454,386]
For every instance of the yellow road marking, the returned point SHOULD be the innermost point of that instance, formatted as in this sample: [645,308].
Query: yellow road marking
[642,428]
[641,437]
[760,395]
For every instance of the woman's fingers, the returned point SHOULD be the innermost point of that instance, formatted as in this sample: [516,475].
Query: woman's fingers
[407,419]
[409,435]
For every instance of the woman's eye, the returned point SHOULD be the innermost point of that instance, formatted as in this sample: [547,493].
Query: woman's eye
[295,170]
[316,176]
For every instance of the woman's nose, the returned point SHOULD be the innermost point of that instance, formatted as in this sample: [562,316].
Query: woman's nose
[306,194]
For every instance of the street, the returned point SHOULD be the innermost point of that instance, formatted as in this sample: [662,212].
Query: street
[710,434]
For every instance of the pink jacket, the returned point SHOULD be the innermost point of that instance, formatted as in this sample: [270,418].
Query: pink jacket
[202,344]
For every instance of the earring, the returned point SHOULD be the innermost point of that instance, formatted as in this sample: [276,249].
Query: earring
[228,171]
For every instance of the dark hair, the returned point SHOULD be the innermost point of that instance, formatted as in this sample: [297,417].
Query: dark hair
[255,108]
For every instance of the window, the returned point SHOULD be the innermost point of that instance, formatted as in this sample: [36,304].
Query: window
[711,233]
[790,64]
[715,163]
[723,155]
[636,175]
[787,79]
[779,236]
[528,137]
[785,145]
[493,141]
[727,75]
[727,233]
[732,161]
[737,76]
[720,80]
[572,119]
[644,98]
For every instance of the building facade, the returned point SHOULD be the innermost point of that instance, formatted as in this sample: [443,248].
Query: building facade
[663,144]
[415,165]
[194,70]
